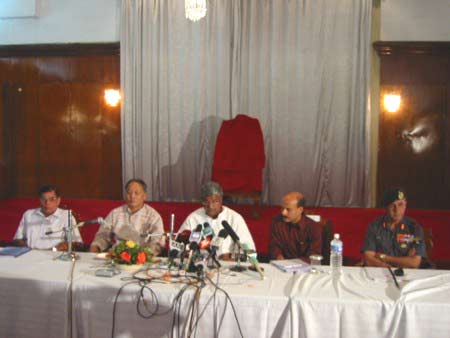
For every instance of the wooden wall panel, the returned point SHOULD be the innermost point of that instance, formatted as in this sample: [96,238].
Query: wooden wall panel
[59,130]
[414,142]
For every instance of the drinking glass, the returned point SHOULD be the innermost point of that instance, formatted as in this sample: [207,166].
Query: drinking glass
[316,262]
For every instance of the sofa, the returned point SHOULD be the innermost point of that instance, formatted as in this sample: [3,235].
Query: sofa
[350,223]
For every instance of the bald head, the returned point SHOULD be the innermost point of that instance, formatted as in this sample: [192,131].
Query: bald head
[292,207]
[295,196]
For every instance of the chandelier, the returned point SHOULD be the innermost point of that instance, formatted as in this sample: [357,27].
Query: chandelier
[195,9]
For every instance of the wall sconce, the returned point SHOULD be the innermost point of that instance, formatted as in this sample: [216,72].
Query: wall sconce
[112,97]
[392,102]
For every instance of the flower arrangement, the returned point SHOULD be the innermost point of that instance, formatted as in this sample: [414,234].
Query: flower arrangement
[129,252]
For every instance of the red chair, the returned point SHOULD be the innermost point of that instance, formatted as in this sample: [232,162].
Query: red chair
[239,159]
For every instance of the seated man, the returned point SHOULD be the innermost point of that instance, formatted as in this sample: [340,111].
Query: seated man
[43,228]
[293,234]
[214,213]
[394,239]
[133,221]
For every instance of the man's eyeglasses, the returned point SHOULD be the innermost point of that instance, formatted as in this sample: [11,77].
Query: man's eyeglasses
[50,199]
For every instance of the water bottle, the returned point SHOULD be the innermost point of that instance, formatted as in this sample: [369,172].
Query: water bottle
[336,247]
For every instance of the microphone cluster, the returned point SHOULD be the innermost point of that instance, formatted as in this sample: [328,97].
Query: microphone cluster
[201,245]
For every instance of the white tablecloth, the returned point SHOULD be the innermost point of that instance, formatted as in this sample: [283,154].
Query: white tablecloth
[34,297]
[363,302]
[262,306]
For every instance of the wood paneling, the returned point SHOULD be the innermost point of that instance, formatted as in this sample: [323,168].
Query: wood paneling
[414,142]
[58,129]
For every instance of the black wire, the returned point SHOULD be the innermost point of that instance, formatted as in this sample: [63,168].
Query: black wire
[115,305]
[232,305]
[195,282]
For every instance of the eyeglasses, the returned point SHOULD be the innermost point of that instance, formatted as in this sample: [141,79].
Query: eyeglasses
[50,199]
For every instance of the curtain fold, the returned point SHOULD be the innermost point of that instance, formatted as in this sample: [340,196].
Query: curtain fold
[300,66]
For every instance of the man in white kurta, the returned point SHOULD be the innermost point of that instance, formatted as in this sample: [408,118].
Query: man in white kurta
[43,228]
[214,213]
[133,221]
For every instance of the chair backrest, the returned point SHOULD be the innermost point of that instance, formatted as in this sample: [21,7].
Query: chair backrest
[429,244]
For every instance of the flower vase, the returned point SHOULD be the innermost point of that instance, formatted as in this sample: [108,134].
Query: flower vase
[131,268]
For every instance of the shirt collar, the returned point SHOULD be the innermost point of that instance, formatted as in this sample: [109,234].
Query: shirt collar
[57,213]
[128,210]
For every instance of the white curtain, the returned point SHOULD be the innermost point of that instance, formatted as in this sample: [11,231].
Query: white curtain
[300,66]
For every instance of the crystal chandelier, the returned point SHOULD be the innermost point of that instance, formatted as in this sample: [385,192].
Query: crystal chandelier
[195,9]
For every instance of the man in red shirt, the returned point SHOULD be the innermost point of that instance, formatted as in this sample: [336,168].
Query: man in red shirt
[292,233]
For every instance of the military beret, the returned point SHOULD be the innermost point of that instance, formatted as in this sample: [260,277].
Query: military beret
[392,195]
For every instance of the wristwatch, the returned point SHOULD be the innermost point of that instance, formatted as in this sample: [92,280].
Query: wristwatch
[382,256]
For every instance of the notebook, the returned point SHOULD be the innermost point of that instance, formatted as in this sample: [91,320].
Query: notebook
[14,251]
[291,265]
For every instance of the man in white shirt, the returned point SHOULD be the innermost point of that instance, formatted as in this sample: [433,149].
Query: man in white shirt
[214,213]
[133,221]
[43,228]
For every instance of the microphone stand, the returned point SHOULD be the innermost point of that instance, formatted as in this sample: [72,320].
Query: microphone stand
[238,267]
[69,255]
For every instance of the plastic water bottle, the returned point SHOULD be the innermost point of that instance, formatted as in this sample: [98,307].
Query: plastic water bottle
[336,252]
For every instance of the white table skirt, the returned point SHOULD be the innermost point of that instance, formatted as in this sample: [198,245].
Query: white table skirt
[34,297]
[363,302]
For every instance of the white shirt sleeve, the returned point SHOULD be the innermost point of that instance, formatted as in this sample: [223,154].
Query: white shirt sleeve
[190,223]
[20,233]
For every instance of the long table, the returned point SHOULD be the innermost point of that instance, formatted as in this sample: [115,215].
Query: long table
[44,297]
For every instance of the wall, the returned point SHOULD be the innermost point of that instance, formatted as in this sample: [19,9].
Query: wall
[62,21]
[415,20]
[414,150]
[65,21]
[56,128]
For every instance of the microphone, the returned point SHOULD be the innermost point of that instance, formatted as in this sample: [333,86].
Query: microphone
[194,240]
[196,235]
[218,240]
[393,277]
[252,257]
[98,220]
[231,232]
[208,235]
[183,237]
[216,244]
[178,244]
[207,230]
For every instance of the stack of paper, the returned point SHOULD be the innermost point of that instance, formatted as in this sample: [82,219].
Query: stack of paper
[291,265]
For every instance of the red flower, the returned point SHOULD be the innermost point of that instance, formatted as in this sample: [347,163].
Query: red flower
[125,256]
[141,258]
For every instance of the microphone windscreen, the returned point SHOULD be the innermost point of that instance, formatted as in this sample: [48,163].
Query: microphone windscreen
[207,231]
[196,236]
[194,246]
[223,233]
[230,230]
[183,236]
[205,244]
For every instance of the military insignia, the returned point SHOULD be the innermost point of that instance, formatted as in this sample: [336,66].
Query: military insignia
[401,195]
[403,245]
[404,239]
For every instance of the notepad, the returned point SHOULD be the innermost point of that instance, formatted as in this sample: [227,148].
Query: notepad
[291,265]
[14,251]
